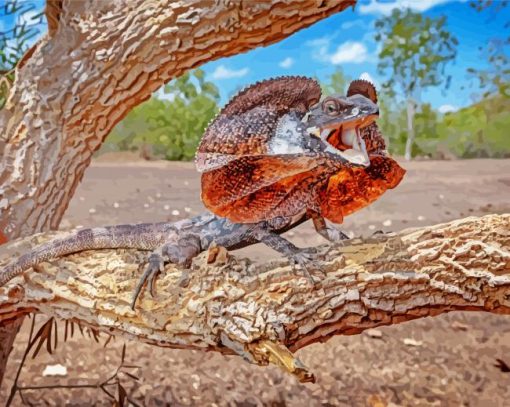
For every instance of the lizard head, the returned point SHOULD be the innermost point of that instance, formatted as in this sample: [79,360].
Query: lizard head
[341,120]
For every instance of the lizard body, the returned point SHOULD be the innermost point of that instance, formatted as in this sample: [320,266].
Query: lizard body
[266,167]
[175,242]
[262,157]
[275,151]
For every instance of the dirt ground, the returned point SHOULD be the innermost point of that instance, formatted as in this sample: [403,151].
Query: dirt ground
[450,360]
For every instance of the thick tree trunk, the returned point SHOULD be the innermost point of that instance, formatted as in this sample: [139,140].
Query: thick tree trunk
[266,312]
[8,331]
[105,58]
[410,111]
[99,60]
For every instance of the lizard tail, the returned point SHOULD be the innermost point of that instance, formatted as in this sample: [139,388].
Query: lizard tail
[146,236]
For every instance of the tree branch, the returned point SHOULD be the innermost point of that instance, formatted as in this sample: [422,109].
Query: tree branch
[264,312]
[99,60]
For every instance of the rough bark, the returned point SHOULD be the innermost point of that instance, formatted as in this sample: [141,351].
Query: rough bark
[98,61]
[263,313]
[8,332]
[105,58]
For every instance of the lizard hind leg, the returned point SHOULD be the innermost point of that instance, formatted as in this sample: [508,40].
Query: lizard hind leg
[179,252]
[305,259]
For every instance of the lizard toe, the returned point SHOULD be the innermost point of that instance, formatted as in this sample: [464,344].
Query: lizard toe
[335,235]
[154,267]
[308,264]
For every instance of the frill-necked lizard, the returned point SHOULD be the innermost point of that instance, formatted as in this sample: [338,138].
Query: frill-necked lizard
[274,157]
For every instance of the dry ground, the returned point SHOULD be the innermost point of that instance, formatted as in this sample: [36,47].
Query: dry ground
[451,359]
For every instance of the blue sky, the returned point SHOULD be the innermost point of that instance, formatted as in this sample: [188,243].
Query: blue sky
[345,40]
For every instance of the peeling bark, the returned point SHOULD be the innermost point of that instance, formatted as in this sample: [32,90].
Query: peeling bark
[99,60]
[264,312]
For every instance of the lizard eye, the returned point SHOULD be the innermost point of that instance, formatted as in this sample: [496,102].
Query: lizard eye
[330,107]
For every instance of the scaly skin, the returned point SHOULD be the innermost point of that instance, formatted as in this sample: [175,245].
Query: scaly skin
[265,170]
[175,242]
[262,158]
[141,236]
[275,151]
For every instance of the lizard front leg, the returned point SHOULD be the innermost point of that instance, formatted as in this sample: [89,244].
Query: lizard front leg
[302,257]
[179,251]
[329,233]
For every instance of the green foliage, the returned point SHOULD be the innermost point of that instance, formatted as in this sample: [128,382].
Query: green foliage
[496,77]
[392,122]
[16,40]
[337,84]
[472,132]
[480,130]
[170,128]
[414,50]
[468,133]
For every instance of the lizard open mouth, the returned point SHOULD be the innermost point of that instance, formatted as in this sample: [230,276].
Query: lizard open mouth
[345,140]
[349,144]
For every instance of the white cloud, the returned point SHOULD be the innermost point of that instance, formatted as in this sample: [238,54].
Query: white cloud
[286,63]
[350,51]
[447,109]
[320,47]
[378,7]
[351,24]
[222,72]
[367,77]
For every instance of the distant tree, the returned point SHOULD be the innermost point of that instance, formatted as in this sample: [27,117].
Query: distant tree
[15,38]
[169,129]
[426,122]
[473,132]
[392,122]
[414,52]
[495,78]
[338,83]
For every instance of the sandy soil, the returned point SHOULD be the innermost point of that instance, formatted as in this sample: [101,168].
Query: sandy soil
[450,363]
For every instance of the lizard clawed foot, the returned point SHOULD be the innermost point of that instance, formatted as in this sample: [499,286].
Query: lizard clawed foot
[179,252]
[308,263]
[155,266]
[336,235]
